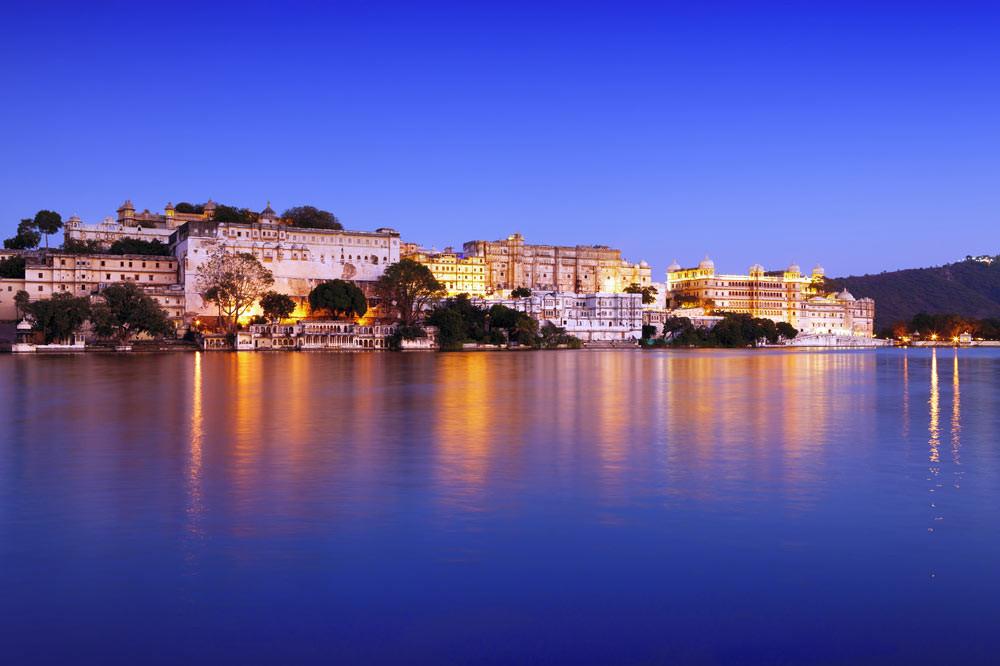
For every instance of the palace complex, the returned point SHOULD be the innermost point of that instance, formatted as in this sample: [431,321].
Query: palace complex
[459,274]
[580,288]
[787,295]
[587,269]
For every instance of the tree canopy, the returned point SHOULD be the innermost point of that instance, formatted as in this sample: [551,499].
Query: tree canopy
[735,330]
[520,292]
[277,306]
[12,268]
[189,208]
[48,222]
[225,213]
[648,292]
[58,317]
[127,311]
[26,238]
[139,246]
[338,298]
[312,217]
[406,288]
[234,282]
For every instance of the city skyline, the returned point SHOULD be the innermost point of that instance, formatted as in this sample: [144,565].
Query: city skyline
[757,134]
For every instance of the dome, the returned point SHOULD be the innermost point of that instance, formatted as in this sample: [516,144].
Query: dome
[127,205]
[268,213]
[643,264]
[706,264]
[209,205]
[756,268]
[673,267]
[818,270]
[845,296]
[794,268]
[25,325]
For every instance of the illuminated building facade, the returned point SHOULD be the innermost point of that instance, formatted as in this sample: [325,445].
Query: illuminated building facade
[594,318]
[512,263]
[299,258]
[459,274]
[788,296]
[319,335]
[144,225]
[54,272]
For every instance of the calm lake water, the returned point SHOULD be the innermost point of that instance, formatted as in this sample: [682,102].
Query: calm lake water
[585,507]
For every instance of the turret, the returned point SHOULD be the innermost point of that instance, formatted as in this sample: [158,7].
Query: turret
[126,213]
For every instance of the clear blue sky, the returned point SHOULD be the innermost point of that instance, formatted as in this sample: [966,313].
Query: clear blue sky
[865,135]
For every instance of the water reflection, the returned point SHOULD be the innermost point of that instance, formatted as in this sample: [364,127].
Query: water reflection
[195,506]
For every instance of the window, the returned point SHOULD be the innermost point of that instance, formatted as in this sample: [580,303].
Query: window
[107,276]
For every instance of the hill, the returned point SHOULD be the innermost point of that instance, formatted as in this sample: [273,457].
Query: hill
[970,288]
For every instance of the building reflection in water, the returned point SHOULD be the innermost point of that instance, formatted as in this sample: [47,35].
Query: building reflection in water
[906,394]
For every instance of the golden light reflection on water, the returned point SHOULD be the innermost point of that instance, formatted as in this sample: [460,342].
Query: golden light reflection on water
[196,438]
[956,412]
[934,408]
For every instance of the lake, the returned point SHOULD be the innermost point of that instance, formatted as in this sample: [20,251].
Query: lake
[571,506]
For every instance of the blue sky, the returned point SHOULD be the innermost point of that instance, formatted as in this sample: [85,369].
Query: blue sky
[865,136]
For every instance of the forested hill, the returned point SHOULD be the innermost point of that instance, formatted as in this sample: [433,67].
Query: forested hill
[969,288]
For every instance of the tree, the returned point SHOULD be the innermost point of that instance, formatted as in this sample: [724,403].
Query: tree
[339,298]
[225,213]
[521,292]
[312,217]
[407,287]
[786,330]
[26,238]
[189,208]
[648,292]
[21,300]
[277,306]
[234,282]
[75,246]
[60,316]
[12,268]
[139,246]
[127,311]
[48,222]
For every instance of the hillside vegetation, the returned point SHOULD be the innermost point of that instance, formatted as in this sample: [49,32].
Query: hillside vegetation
[968,288]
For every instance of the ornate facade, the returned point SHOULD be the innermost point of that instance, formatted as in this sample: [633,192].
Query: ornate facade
[787,295]
[594,318]
[512,263]
[459,274]
[299,258]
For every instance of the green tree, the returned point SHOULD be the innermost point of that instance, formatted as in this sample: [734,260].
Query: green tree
[225,213]
[786,330]
[74,246]
[127,311]
[406,288]
[311,217]
[339,298]
[12,268]
[139,246]
[21,300]
[234,282]
[277,306]
[189,208]
[26,238]
[520,292]
[58,317]
[48,222]
[648,293]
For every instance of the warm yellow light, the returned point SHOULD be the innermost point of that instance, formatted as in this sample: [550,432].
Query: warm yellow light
[934,336]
